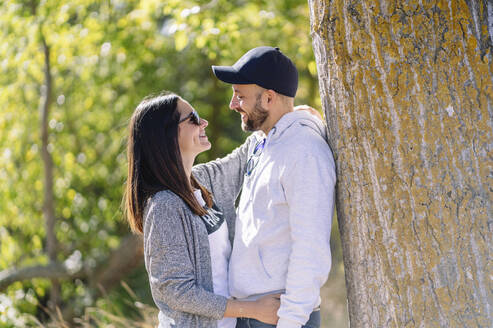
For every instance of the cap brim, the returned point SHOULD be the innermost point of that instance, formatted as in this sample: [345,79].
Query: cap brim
[229,74]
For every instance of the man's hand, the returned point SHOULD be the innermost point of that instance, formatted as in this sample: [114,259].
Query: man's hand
[310,110]
[266,308]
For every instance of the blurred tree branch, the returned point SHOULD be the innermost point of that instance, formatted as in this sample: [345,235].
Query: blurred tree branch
[107,273]
[120,262]
[54,270]
[48,199]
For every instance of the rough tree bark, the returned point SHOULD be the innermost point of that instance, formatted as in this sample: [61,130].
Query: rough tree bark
[407,92]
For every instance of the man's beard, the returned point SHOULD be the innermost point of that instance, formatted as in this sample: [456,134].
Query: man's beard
[256,117]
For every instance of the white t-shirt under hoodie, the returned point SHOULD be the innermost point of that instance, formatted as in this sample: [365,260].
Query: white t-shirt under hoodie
[220,249]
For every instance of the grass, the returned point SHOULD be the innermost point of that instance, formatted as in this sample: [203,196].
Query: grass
[333,310]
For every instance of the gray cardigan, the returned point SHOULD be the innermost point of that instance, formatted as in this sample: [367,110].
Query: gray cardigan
[176,244]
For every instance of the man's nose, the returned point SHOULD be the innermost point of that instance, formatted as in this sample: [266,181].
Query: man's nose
[234,103]
[203,123]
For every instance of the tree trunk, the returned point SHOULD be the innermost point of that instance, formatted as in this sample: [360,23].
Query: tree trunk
[48,198]
[48,195]
[407,91]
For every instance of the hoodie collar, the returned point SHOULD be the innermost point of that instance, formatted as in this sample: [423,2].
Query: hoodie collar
[299,117]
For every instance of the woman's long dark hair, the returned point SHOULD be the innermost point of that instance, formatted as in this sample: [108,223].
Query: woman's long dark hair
[154,159]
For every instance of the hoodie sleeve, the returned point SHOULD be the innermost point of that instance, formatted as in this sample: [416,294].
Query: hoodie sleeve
[309,188]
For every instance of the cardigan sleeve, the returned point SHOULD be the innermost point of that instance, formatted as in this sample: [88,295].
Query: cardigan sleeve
[224,176]
[168,260]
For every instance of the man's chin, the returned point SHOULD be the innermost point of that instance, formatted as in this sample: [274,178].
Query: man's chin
[247,128]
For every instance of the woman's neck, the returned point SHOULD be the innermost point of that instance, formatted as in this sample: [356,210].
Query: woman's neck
[187,166]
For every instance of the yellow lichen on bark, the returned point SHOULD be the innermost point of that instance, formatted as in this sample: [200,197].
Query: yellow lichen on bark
[408,95]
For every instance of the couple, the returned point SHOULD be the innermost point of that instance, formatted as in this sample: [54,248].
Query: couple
[210,264]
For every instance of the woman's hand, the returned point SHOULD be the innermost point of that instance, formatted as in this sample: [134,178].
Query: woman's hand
[310,110]
[266,308]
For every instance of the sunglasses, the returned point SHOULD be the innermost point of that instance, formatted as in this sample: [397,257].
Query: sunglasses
[193,116]
[254,158]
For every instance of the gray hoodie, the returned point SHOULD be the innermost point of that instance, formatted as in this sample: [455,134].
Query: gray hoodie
[282,236]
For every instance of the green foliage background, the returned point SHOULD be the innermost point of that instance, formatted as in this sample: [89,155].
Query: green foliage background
[105,57]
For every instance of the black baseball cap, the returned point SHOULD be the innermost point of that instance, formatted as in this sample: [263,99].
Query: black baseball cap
[267,67]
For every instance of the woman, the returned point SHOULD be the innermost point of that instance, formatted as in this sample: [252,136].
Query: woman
[187,243]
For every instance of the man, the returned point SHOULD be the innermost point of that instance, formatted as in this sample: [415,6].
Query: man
[282,231]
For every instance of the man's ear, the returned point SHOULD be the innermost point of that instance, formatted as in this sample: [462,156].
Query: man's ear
[271,96]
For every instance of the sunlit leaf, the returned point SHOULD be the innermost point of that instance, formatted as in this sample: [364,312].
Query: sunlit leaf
[181,40]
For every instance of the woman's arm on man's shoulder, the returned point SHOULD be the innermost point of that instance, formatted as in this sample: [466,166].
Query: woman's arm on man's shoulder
[224,176]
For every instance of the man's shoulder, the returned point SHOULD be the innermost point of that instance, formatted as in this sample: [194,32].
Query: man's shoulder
[304,142]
